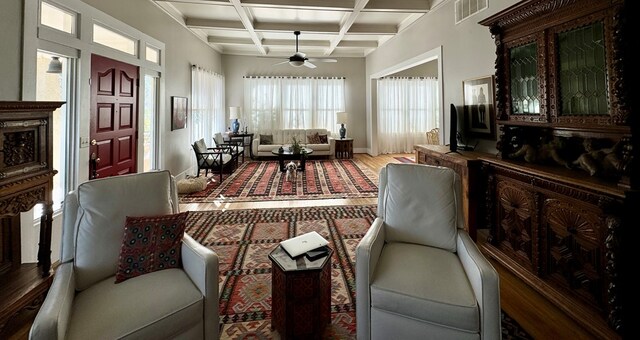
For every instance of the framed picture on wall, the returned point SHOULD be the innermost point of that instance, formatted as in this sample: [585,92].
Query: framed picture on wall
[178,112]
[479,107]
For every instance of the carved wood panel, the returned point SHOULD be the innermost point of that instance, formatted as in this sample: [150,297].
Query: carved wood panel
[516,220]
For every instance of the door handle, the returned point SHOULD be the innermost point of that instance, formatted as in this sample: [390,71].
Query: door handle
[94,142]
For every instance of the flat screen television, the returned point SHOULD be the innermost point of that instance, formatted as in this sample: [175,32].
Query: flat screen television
[453,128]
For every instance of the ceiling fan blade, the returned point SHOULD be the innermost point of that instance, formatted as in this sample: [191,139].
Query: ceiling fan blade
[323,60]
[280,63]
[309,65]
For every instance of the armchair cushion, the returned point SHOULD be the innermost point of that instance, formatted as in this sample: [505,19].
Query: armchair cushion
[150,243]
[404,205]
[103,206]
[152,306]
[442,294]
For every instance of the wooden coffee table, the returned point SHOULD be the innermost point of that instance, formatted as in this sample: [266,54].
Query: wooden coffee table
[300,295]
[288,155]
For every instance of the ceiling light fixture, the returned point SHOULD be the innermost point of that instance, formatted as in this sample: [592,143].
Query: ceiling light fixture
[55,65]
[296,63]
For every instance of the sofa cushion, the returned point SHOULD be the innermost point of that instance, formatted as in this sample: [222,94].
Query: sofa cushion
[425,283]
[319,147]
[324,139]
[150,243]
[267,148]
[266,139]
[103,205]
[145,307]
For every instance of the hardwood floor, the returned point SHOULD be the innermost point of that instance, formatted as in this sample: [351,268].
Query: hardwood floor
[535,314]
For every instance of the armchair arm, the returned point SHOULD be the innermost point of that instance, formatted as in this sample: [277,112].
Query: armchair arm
[485,283]
[367,255]
[53,318]
[201,265]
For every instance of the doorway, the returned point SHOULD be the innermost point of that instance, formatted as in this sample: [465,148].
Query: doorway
[113,125]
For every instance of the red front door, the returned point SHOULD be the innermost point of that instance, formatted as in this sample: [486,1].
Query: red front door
[113,121]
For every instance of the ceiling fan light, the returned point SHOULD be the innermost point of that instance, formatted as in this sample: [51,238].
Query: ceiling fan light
[296,63]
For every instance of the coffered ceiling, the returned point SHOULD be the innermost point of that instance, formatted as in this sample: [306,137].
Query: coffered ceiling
[329,28]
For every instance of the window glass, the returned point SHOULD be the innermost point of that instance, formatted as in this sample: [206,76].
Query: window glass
[153,54]
[150,118]
[57,18]
[109,38]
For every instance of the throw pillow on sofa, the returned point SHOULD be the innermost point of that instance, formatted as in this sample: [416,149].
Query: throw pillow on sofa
[150,243]
[313,138]
[324,139]
[266,139]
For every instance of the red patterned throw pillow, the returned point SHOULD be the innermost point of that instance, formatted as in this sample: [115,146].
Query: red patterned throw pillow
[150,243]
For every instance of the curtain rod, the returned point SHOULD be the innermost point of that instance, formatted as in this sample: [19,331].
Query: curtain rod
[292,77]
[207,70]
[408,78]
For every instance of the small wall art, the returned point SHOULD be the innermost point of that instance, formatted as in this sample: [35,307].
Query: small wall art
[178,112]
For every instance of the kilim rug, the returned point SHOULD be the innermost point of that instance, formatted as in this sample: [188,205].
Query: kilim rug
[243,240]
[405,159]
[263,181]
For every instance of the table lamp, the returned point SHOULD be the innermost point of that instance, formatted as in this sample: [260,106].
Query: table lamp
[341,118]
[234,114]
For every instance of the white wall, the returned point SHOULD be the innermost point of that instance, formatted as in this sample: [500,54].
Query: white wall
[428,69]
[468,52]
[353,69]
[182,49]
[10,53]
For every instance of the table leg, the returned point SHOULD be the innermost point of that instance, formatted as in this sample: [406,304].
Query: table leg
[44,246]
[281,162]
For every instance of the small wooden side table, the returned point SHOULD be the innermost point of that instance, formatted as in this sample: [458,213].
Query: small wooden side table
[344,148]
[300,295]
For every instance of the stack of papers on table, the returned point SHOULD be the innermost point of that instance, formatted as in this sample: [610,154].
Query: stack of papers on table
[303,243]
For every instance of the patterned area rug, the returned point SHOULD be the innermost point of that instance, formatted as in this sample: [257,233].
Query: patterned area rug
[244,238]
[405,159]
[263,181]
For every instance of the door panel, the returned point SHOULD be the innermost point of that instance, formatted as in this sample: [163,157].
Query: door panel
[113,122]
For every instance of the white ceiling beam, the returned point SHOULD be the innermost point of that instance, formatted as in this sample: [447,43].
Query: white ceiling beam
[311,4]
[292,42]
[229,41]
[248,25]
[302,27]
[200,2]
[213,24]
[379,29]
[346,24]
[358,43]
[398,6]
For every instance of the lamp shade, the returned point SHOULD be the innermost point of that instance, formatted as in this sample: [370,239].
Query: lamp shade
[55,65]
[234,112]
[341,117]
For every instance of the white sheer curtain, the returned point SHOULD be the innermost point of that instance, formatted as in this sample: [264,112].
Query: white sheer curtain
[407,109]
[273,103]
[207,104]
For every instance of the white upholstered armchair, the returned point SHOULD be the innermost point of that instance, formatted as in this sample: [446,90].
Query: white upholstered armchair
[84,302]
[418,273]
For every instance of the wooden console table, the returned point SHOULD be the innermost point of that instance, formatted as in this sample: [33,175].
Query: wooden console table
[26,179]
[467,165]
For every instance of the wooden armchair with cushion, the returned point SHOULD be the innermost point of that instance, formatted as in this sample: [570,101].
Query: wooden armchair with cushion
[220,158]
[235,146]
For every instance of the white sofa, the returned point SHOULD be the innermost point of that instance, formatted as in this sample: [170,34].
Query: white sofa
[284,137]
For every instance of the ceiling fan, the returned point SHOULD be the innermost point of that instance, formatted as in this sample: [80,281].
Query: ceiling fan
[300,59]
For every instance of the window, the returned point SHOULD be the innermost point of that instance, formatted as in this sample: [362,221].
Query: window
[152,54]
[207,104]
[149,142]
[112,39]
[57,18]
[407,109]
[56,87]
[274,103]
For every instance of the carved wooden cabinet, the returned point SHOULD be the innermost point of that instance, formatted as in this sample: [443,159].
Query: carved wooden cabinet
[26,179]
[560,195]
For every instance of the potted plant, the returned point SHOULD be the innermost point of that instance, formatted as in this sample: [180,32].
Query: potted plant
[295,147]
